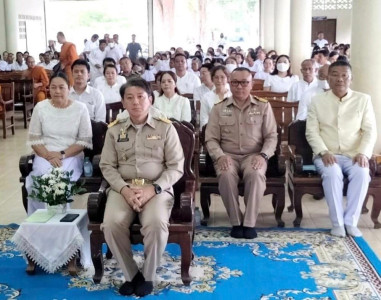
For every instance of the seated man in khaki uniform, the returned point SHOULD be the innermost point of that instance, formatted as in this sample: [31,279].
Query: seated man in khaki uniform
[142,146]
[240,137]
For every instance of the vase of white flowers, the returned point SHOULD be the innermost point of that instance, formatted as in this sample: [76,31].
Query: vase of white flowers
[55,189]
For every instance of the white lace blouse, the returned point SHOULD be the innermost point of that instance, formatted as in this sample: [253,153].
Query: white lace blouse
[58,128]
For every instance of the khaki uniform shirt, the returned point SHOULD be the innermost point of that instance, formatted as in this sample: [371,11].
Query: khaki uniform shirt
[232,130]
[153,152]
[346,127]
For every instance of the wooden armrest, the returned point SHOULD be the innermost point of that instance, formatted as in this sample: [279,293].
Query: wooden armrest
[296,162]
[282,164]
[96,169]
[24,166]
[187,201]
[375,165]
[291,149]
[96,203]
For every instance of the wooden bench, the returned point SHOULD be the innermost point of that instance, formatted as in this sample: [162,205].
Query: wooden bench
[270,95]
[302,181]
[257,85]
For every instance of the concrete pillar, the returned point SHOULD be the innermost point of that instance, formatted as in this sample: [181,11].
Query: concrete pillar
[282,26]
[11,25]
[301,23]
[365,50]
[267,24]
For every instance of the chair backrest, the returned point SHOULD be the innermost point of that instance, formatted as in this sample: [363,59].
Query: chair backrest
[270,95]
[297,138]
[187,139]
[112,110]
[285,113]
[193,107]
[258,84]
[7,91]
[99,130]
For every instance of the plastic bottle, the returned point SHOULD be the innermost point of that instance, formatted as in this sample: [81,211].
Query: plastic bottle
[88,167]
[197,216]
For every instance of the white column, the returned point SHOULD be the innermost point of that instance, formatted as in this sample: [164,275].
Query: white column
[365,51]
[301,23]
[11,26]
[150,27]
[282,26]
[267,24]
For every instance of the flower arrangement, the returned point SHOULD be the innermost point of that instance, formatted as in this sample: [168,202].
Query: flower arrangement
[55,187]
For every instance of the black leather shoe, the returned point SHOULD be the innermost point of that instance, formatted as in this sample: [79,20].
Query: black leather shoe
[128,287]
[237,232]
[143,288]
[249,232]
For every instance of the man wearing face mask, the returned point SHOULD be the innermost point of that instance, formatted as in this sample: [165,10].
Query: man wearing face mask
[307,82]
[341,129]
[305,99]
[115,52]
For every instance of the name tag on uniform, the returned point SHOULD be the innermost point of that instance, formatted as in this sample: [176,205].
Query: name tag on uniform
[227,112]
[254,112]
[123,137]
[154,137]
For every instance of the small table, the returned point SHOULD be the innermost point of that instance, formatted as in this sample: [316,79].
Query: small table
[54,244]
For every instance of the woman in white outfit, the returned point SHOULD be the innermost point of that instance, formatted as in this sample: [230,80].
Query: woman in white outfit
[169,101]
[59,130]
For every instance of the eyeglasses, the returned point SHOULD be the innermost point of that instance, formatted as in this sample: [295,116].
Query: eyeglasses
[243,83]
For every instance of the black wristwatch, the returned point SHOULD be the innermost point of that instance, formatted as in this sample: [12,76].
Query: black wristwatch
[157,188]
[63,154]
[264,155]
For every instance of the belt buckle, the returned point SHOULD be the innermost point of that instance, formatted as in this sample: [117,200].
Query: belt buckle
[138,181]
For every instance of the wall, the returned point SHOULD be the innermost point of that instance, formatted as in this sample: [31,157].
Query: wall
[343,24]
[3,40]
[24,24]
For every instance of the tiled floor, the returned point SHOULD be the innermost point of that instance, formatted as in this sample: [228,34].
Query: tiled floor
[315,213]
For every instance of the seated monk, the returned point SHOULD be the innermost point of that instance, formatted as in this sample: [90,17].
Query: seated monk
[39,77]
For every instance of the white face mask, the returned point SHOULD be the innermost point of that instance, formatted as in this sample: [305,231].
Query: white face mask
[282,67]
[323,84]
[231,67]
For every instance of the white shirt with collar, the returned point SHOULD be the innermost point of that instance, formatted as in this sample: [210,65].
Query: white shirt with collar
[200,91]
[305,101]
[321,43]
[102,80]
[298,88]
[279,84]
[261,75]
[187,83]
[17,67]
[177,107]
[96,57]
[207,102]
[110,93]
[48,66]
[258,65]
[345,126]
[3,65]
[94,101]
[246,65]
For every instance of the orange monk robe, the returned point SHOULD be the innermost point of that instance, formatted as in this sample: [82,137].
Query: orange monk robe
[38,75]
[67,56]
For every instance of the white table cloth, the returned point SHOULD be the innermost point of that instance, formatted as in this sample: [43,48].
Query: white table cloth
[53,244]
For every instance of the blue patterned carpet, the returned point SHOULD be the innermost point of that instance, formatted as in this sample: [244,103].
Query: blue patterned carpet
[279,264]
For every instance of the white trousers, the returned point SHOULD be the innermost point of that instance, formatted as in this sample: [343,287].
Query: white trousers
[41,166]
[333,184]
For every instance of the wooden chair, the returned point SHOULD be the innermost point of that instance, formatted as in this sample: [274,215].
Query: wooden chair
[7,107]
[112,110]
[193,107]
[181,228]
[258,85]
[275,180]
[285,113]
[270,95]
[303,179]
[91,184]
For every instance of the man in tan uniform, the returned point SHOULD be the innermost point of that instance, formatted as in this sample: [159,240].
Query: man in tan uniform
[144,146]
[240,137]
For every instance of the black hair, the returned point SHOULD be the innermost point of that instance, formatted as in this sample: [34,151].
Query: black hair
[340,63]
[81,62]
[241,69]
[209,66]
[62,75]
[108,60]
[109,66]
[137,82]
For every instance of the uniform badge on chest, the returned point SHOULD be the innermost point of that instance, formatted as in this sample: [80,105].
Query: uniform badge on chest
[253,112]
[154,137]
[227,112]
[123,137]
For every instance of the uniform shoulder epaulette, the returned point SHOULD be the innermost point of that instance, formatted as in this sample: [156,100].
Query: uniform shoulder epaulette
[220,101]
[164,119]
[117,121]
[264,100]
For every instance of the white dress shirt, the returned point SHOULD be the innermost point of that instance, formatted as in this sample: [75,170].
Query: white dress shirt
[96,57]
[17,67]
[110,93]
[246,65]
[305,101]
[187,83]
[48,66]
[102,80]
[258,65]
[261,75]
[200,91]
[94,101]
[207,103]
[177,107]
[298,88]
[280,84]
[321,43]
